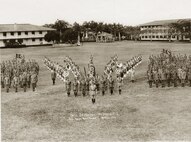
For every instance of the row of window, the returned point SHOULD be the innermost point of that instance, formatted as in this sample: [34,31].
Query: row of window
[156,36]
[151,26]
[21,40]
[19,33]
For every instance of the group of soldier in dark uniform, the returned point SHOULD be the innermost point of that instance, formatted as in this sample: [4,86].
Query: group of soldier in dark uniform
[87,86]
[19,73]
[167,69]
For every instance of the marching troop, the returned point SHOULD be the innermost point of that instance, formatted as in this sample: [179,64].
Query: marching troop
[165,69]
[19,73]
[91,84]
[168,69]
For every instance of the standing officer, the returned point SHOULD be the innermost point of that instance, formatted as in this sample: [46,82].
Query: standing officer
[53,76]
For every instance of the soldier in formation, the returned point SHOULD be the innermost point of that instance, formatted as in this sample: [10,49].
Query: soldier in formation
[167,69]
[17,73]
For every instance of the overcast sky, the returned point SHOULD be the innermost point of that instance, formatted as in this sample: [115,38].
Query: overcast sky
[127,12]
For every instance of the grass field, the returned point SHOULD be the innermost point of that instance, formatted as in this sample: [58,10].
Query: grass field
[139,114]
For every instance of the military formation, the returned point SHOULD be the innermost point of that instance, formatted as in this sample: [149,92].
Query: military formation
[90,83]
[19,73]
[168,69]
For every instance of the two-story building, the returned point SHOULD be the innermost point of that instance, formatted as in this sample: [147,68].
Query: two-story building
[25,34]
[160,31]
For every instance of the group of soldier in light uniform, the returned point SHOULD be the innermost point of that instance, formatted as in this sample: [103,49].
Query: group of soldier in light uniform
[167,69]
[91,84]
[19,73]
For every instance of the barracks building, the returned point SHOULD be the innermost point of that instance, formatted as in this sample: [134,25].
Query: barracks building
[160,31]
[24,34]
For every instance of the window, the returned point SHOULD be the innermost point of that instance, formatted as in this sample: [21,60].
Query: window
[33,40]
[4,34]
[19,33]
[164,36]
[12,33]
[142,36]
[149,36]
[145,36]
[26,33]
[157,36]
[161,36]
[173,36]
[33,32]
[153,36]
[40,32]
[40,39]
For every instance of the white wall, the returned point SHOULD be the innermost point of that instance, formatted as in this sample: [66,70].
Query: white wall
[27,39]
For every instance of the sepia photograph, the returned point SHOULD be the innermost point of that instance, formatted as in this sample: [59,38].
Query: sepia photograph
[95,70]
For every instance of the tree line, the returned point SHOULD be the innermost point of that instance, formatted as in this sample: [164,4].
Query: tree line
[67,33]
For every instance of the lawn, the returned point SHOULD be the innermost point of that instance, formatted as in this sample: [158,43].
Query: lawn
[139,114]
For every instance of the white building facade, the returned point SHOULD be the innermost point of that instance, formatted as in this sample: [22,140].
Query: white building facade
[160,31]
[24,34]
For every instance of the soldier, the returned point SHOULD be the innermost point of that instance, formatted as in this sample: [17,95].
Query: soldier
[189,76]
[75,88]
[24,81]
[111,85]
[156,78]
[150,78]
[97,83]
[53,76]
[7,83]
[163,78]
[20,80]
[28,79]
[34,80]
[132,75]
[119,82]
[168,77]
[179,74]
[183,77]
[2,80]
[93,91]
[16,82]
[87,85]
[83,87]
[68,86]
[175,77]
[103,85]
